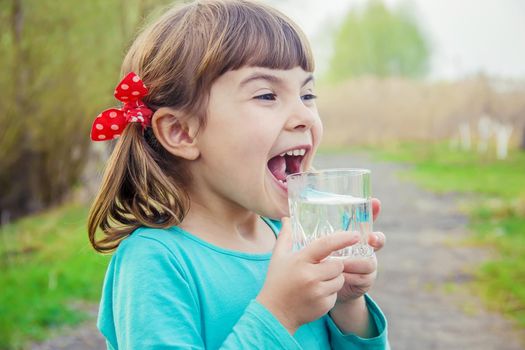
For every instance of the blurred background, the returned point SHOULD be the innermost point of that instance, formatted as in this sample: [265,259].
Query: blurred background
[430,92]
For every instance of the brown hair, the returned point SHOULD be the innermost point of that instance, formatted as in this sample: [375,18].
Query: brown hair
[179,57]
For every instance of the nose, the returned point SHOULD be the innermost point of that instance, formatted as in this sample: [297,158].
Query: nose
[301,117]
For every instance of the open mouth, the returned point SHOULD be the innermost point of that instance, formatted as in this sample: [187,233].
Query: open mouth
[287,163]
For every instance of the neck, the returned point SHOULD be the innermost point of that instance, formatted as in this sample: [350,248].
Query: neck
[234,230]
[219,220]
[215,216]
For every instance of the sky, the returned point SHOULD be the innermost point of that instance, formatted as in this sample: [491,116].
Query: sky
[467,36]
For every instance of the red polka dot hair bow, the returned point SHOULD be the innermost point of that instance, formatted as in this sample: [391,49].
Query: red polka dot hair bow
[111,123]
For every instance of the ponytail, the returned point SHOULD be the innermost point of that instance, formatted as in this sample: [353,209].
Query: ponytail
[137,191]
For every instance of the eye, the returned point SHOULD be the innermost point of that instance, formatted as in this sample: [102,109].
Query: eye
[308,97]
[266,97]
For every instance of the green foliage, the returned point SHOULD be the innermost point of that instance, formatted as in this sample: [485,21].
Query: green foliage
[381,42]
[441,169]
[501,224]
[47,264]
[59,63]
[497,212]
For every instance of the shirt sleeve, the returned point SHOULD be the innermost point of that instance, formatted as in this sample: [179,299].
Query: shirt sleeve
[153,306]
[259,329]
[340,341]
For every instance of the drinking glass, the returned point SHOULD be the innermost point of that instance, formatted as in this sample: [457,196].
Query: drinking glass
[327,201]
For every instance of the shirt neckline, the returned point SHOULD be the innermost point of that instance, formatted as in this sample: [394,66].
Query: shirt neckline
[236,253]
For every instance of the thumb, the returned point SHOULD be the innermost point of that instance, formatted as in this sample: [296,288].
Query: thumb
[284,239]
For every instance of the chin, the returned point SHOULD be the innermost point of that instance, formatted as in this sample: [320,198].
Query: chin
[277,212]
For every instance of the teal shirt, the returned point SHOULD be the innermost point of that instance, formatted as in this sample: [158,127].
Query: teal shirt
[168,289]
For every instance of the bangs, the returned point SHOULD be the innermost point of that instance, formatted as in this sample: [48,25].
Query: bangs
[271,42]
[252,34]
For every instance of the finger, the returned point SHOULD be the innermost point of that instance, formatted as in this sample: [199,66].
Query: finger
[377,240]
[322,247]
[360,281]
[334,285]
[329,268]
[284,242]
[360,266]
[376,208]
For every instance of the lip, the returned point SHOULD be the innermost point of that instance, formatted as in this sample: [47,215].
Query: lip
[284,186]
[306,147]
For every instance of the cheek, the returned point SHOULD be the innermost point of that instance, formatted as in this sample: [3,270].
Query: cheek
[317,135]
[317,132]
[261,135]
[252,147]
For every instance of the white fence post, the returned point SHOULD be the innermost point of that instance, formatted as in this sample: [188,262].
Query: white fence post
[485,126]
[503,133]
[464,135]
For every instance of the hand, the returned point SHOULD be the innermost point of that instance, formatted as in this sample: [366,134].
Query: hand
[360,274]
[302,286]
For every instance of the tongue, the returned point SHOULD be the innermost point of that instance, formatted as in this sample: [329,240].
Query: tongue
[277,166]
[293,164]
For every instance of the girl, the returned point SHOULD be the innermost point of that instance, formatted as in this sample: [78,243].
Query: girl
[218,109]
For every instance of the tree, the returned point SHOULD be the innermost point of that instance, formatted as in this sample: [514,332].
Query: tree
[379,41]
[59,63]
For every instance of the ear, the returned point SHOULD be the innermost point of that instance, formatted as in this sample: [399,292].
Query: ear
[176,133]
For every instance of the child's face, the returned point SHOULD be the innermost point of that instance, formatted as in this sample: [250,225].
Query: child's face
[254,115]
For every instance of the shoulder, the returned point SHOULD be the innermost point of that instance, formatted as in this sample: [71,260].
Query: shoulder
[147,239]
[150,248]
[151,261]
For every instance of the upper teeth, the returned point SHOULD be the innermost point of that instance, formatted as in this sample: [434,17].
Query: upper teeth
[295,152]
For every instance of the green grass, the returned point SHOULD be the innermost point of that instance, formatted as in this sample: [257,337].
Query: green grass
[496,189]
[443,170]
[47,265]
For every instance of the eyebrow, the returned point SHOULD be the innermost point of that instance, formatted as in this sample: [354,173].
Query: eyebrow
[270,78]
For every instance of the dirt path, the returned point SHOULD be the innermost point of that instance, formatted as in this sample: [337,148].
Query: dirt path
[420,262]
[419,267]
